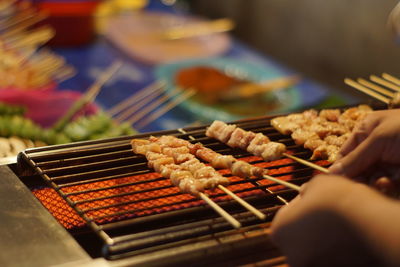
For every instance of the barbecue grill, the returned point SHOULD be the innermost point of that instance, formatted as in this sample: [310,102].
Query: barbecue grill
[115,211]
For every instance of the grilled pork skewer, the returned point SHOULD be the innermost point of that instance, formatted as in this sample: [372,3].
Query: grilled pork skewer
[257,144]
[183,169]
[237,167]
[179,175]
[179,149]
[323,133]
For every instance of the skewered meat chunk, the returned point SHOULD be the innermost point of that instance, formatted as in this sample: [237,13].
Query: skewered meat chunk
[337,140]
[288,124]
[323,133]
[257,144]
[284,125]
[273,151]
[261,146]
[238,167]
[240,138]
[220,130]
[301,135]
[325,151]
[314,142]
[330,114]
[191,176]
[326,128]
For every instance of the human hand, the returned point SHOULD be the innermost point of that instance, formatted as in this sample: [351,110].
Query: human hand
[375,139]
[318,227]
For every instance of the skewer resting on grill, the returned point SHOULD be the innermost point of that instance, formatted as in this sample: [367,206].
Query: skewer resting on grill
[307,163]
[217,161]
[322,132]
[257,144]
[171,161]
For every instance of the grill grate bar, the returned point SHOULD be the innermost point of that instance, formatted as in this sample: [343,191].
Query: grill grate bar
[125,194]
[177,233]
[263,187]
[89,158]
[117,186]
[191,226]
[102,179]
[152,198]
[92,174]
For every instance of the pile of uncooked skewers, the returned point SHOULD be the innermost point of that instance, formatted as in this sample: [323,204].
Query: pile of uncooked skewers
[23,63]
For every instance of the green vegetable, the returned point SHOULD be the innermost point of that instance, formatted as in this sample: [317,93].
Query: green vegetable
[8,109]
[96,126]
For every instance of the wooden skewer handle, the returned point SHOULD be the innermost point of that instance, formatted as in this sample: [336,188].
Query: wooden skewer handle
[281,182]
[235,223]
[249,207]
[307,163]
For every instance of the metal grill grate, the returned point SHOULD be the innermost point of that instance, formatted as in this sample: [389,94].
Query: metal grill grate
[136,211]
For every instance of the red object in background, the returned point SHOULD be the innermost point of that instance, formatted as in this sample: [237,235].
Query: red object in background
[45,107]
[72,20]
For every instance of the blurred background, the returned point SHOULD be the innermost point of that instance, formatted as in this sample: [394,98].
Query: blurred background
[89,69]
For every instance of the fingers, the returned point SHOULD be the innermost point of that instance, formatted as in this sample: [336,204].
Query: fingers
[360,133]
[364,155]
[283,216]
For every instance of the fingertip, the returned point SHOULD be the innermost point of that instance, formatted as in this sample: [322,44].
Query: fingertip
[336,168]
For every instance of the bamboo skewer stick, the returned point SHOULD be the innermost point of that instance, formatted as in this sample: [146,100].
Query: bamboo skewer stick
[89,96]
[24,25]
[152,106]
[249,207]
[235,223]
[391,78]
[164,109]
[136,107]
[139,95]
[284,201]
[307,163]
[198,29]
[281,182]
[375,87]
[20,17]
[241,201]
[366,90]
[385,83]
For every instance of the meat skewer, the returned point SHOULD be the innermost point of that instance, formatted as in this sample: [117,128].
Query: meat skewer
[179,149]
[257,144]
[165,165]
[323,133]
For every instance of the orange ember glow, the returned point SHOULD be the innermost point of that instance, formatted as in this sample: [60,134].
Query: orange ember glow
[142,195]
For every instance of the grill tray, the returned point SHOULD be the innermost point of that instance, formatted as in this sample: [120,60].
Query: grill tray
[136,213]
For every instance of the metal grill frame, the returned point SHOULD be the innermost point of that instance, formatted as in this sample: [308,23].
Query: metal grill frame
[203,230]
